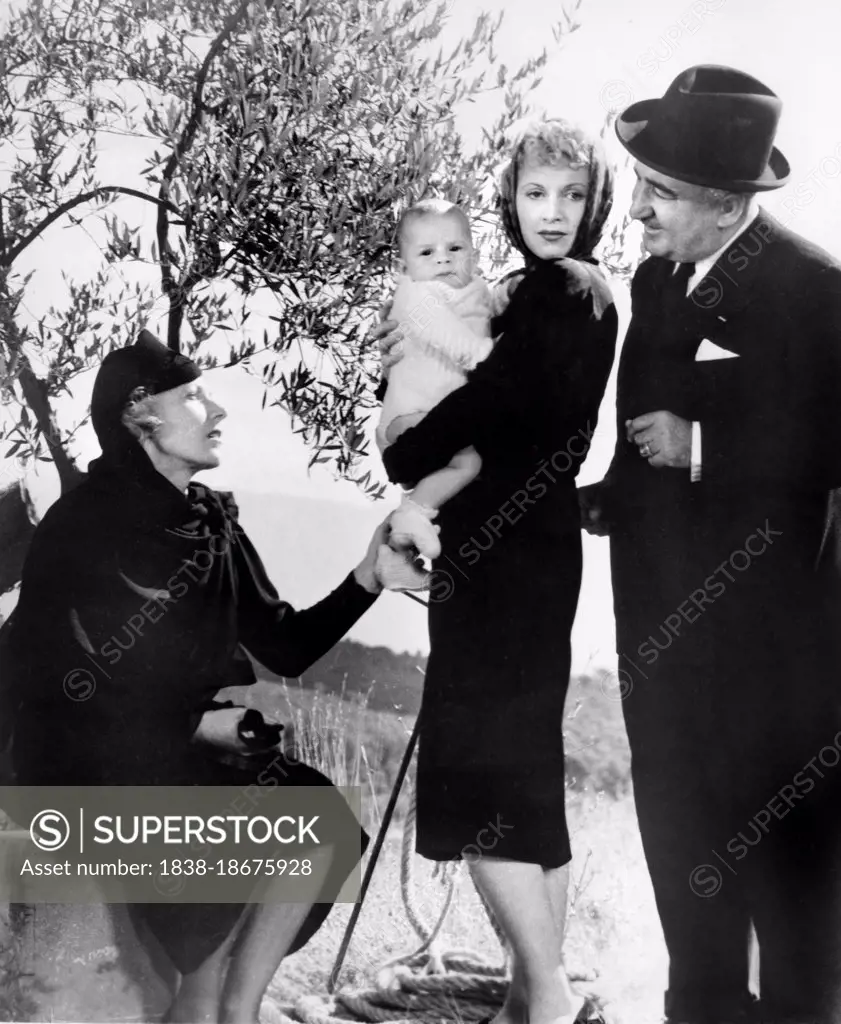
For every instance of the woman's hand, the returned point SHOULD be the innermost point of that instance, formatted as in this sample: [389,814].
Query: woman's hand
[389,339]
[365,573]
[220,729]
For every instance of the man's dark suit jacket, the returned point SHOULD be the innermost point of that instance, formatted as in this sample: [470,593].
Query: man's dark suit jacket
[725,593]
[728,579]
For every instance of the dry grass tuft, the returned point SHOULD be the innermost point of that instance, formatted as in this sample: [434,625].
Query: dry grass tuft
[612,926]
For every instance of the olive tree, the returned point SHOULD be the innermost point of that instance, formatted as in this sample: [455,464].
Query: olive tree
[281,138]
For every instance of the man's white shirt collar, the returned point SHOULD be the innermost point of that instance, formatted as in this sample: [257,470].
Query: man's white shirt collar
[703,267]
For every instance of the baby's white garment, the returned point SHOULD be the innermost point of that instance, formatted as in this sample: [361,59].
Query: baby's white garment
[446,332]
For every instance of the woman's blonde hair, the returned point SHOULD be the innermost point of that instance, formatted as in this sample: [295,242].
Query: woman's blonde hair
[550,142]
[140,416]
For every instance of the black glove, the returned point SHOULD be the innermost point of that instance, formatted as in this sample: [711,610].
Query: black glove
[256,733]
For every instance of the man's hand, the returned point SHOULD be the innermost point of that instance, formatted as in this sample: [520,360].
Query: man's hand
[593,518]
[662,438]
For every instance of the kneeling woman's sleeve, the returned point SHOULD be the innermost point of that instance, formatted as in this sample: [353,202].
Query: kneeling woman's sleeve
[284,639]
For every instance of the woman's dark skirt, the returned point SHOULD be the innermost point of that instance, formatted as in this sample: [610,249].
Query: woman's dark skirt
[491,753]
[190,932]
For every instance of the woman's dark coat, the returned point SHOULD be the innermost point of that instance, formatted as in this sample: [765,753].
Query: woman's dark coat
[505,589]
[136,603]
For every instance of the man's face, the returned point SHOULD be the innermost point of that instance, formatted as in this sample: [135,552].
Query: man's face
[437,247]
[679,221]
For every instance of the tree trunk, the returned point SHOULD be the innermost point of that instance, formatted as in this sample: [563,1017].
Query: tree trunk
[17,517]
[37,398]
[17,524]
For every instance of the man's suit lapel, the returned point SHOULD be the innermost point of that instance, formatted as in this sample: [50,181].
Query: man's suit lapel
[730,286]
[657,368]
[659,346]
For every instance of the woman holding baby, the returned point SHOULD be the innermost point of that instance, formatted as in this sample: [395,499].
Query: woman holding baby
[504,590]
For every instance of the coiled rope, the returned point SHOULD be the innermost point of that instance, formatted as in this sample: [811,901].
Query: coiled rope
[426,986]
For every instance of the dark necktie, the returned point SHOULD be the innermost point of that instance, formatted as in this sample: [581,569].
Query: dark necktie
[653,365]
[680,280]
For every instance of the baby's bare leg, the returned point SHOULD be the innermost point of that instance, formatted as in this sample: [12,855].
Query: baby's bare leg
[411,523]
[400,424]
[445,483]
[437,488]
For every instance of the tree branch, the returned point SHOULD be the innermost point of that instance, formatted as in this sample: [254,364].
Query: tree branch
[175,293]
[8,258]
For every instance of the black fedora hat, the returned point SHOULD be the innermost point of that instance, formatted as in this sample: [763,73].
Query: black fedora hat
[715,126]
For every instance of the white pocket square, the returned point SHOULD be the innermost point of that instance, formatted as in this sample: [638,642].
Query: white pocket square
[708,350]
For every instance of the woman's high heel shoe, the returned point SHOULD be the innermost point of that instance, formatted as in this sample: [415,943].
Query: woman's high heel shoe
[575,1016]
[588,1013]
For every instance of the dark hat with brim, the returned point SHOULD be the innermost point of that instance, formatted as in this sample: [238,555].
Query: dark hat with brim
[714,126]
[148,364]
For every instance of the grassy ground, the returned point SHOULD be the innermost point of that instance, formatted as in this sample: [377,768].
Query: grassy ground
[613,927]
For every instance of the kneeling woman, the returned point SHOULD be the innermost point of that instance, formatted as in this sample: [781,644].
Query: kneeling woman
[136,536]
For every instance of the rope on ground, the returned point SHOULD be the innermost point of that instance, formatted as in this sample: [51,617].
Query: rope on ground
[425,986]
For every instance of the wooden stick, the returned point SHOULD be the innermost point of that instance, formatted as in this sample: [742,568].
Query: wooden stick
[375,853]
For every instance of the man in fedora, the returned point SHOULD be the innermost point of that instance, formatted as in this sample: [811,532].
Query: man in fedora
[717,504]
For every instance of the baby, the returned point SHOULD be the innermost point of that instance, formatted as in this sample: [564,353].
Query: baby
[444,312]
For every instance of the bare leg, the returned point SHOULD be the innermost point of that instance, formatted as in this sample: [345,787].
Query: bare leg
[267,934]
[411,523]
[197,1001]
[437,488]
[557,888]
[518,897]
[446,482]
[516,1005]
[400,424]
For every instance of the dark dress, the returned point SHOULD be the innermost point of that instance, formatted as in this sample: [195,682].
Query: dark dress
[505,589]
[143,595]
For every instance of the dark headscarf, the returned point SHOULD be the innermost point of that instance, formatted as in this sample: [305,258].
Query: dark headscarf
[550,142]
[148,364]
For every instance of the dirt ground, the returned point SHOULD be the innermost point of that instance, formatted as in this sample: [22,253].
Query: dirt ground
[82,968]
[613,928]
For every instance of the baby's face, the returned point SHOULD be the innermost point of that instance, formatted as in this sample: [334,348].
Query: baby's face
[438,247]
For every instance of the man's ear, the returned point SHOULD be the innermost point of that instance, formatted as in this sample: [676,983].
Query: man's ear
[733,206]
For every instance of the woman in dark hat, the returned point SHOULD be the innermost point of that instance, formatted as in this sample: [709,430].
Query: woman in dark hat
[504,593]
[139,595]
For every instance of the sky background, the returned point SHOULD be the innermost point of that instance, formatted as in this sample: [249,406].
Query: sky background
[312,528]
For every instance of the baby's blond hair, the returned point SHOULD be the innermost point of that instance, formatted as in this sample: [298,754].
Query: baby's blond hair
[428,208]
